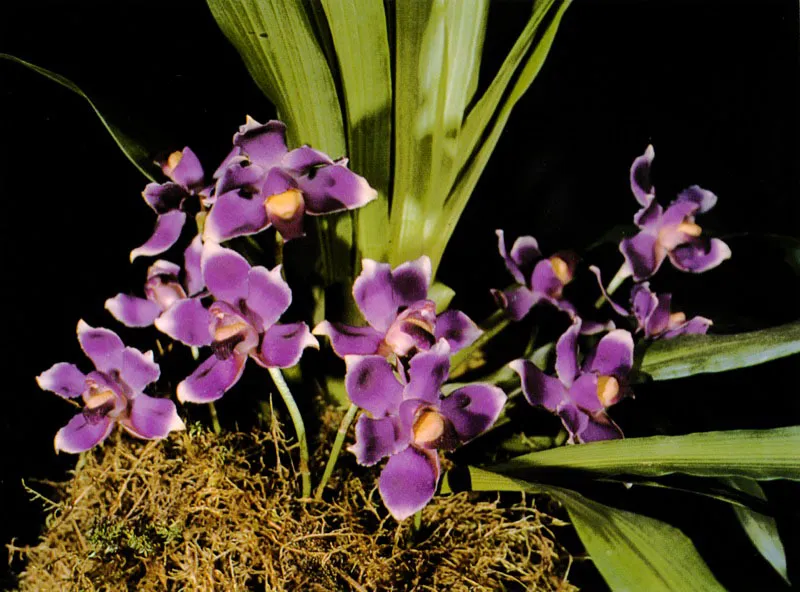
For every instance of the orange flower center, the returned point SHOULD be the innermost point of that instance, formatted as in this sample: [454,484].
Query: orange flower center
[428,427]
[284,205]
[607,390]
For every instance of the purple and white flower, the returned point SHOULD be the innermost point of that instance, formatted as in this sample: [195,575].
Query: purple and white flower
[669,233]
[112,393]
[261,184]
[409,422]
[170,201]
[162,290]
[539,278]
[653,313]
[241,323]
[580,395]
[401,320]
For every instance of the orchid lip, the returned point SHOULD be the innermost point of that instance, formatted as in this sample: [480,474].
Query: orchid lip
[607,390]
[284,205]
[429,427]
[561,269]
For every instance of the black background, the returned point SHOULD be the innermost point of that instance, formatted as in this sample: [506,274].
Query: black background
[713,85]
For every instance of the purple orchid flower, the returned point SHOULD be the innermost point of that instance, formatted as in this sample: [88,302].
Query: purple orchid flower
[261,184]
[410,422]
[241,323]
[162,289]
[169,200]
[653,313]
[540,279]
[402,321]
[581,395]
[112,393]
[672,233]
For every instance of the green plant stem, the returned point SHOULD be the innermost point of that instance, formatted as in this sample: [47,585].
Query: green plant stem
[337,447]
[278,249]
[623,273]
[214,419]
[417,521]
[493,325]
[299,426]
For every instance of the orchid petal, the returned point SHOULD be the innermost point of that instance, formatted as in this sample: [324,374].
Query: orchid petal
[522,258]
[188,172]
[282,345]
[164,197]
[704,198]
[101,346]
[80,435]
[517,301]
[63,379]
[133,311]
[335,188]
[138,369]
[567,353]
[408,481]
[166,233]
[225,273]
[698,255]
[473,409]
[234,216]
[264,144]
[376,439]
[347,340]
[642,188]
[642,255]
[428,370]
[583,393]
[212,379]
[613,355]
[371,384]
[187,321]
[458,329]
[151,418]
[539,389]
[269,296]
[191,263]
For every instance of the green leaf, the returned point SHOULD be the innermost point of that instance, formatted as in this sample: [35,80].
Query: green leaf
[632,552]
[695,354]
[436,67]
[442,295]
[471,172]
[761,529]
[361,43]
[757,454]
[136,153]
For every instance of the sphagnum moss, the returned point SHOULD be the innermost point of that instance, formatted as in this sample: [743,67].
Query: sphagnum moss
[207,512]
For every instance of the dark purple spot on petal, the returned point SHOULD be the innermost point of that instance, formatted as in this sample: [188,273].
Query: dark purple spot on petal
[224,349]
[95,415]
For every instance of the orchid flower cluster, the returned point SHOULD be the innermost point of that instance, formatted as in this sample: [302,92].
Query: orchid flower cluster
[397,363]
[581,391]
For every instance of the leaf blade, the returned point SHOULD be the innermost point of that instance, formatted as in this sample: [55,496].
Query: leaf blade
[695,354]
[133,150]
[627,548]
[756,454]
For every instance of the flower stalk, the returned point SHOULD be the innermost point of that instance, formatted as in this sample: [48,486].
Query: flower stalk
[623,273]
[299,426]
[344,426]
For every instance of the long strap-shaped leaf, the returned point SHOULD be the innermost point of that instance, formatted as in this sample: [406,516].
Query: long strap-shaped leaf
[469,175]
[362,49]
[437,61]
[757,454]
[696,354]
[136,153]
[762,530]
[633,553]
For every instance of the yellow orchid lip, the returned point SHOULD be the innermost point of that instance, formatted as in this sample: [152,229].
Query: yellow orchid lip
[227,331]
[173,160]
[99,398]
[561,269]
[284,205]
[428,427]
[607,390]
[690,228]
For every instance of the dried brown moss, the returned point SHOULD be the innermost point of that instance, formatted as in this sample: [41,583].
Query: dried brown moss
[206,512]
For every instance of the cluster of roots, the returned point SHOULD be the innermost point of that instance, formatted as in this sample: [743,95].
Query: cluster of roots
[205,512]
